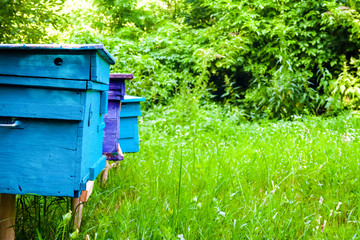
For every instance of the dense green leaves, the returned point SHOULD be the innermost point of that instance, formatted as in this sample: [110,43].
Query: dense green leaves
[272,59]
[24,21]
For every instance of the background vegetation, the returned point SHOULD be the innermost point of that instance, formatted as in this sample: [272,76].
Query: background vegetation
[272,59]
[208,68]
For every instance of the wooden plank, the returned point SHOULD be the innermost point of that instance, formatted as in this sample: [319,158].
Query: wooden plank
[37,64]
[47,111]
[99,69]
[103,102]
[43,82]
[128,127]
[129,134]
[97,86]
[61,47]
[86,194]
[116,76]
[7,216]
[97,168]
[39,159]
[20,101]
[92,136]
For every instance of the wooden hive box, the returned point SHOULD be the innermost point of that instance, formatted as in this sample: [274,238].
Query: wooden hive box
[129,126]
[53,99]
[112,118]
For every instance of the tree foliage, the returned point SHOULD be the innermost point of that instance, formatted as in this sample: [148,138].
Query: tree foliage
[25,21]
[271,59]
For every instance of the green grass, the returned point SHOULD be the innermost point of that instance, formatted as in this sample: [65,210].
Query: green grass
[203,173]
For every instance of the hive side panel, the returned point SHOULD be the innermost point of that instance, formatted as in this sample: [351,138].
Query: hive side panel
[22,101]
[92,134]
[129,134]
[112,125]
[79,144]
[45,64]
[38,158]
[130,109]
[43,82]
[100,69]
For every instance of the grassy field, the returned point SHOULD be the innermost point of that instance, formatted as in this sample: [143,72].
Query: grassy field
[203,173]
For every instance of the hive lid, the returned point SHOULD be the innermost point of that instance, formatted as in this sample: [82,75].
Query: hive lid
[128,99]
[66,47]
[125,76]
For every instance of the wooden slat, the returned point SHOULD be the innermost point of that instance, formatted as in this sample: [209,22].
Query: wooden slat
[63,47]
[39,159]
[97,168]
[46,111]
[34,64]
[43,82]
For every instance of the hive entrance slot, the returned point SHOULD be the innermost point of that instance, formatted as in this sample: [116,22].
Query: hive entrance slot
[58,61]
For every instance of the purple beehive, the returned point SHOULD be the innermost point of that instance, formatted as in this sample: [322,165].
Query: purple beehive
[112,118]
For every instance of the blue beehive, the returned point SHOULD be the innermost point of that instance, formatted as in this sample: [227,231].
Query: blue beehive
[53,99]
[129,126]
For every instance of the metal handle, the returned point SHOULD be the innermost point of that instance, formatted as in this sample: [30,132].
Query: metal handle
[14,124]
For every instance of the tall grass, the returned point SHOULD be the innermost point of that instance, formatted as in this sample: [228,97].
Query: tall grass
[203,173]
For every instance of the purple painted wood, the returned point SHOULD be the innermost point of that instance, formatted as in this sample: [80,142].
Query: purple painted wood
[112,118]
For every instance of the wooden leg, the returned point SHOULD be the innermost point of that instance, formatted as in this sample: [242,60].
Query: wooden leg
[77,210]
[105,172]
[7,216]
[77,203]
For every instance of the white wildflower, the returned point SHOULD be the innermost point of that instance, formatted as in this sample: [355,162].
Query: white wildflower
[319,220]
[323,226]
[220,212]
[321,200]
[181,237]
[338,206]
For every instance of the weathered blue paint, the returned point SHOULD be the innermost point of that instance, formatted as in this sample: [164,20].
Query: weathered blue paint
[57,146]
[99,48]
[129,126]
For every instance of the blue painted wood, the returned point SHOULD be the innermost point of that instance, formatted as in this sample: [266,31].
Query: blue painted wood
[18,101]
[100,69]
[31,64]
[40,158]
[97,167]
[103,102]
[41,111]
[129,126]
[82,63]
[47,82]
[130,106]
[57,147]
[97,86]
[101,50]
